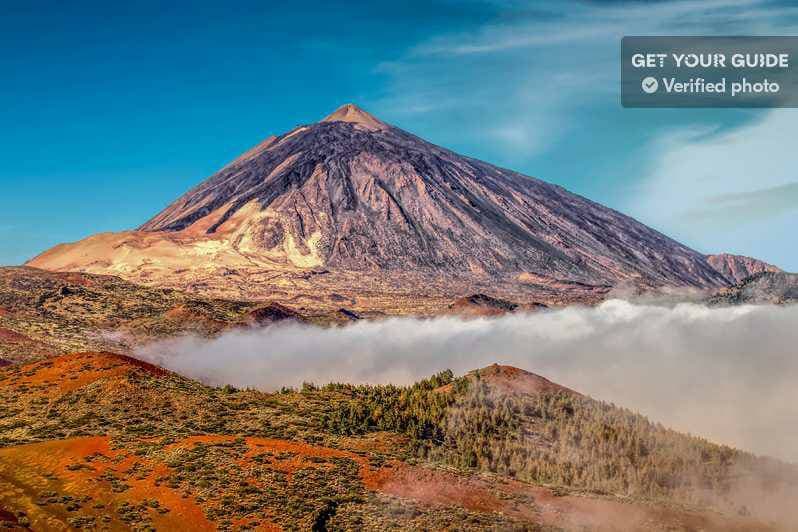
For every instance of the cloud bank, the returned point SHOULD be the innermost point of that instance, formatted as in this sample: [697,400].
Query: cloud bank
[724,373]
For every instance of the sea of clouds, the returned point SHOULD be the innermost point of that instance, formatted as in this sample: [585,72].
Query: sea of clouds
[727,374]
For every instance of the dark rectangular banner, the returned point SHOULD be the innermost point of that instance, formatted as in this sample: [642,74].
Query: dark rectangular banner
[709,71]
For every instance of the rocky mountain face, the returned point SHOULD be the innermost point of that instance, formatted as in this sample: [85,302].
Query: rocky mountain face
[737,268]
[762,288]
[51,313]
[352,205]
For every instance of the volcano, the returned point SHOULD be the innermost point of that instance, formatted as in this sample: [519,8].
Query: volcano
[738,268]
[354,209]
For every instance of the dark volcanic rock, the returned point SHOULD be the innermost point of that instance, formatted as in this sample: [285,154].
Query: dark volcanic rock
[349,315]
[485,303]
[362,195]
[273,312]
[737,268]
[767,287]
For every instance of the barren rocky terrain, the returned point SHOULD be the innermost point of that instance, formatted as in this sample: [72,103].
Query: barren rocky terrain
[737,268]
[767,287]
[44,313]
[351,209]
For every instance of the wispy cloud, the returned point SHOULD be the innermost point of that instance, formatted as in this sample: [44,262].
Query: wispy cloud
[749,206]
[517,83]
[539,82]
[722,189]
[724,373]
[580,23]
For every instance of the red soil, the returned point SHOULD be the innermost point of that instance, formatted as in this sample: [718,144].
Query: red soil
[300,452]
[24,470]
[510,380]
[432,487]
[24,474]
[7,335]
[572,512]
[82,368]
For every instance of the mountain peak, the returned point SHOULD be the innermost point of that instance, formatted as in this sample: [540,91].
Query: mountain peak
[354,202]
[355,115]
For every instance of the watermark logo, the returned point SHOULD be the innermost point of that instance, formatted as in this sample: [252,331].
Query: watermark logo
[709,71]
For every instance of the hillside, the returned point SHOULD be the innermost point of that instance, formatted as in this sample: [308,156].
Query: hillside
[74,452]
[47,313]
[767,287]
[351,208]
[737,268]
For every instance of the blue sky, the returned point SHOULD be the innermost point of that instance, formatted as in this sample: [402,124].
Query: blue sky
[111,111]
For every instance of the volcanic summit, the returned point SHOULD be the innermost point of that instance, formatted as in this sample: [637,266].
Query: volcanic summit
[354,209]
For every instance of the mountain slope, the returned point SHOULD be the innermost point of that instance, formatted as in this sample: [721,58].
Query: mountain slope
[75,454]
[737,268]
[775,288]
[47,313]
[353,194]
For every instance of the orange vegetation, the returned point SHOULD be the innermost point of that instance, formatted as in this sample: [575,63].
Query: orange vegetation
[85,468]
[299,451]
[26,471]
[82,369]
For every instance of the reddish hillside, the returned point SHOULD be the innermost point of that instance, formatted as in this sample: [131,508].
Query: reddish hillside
[507,379]
[67,484]
[98,440]
[737,268]
[513,381]
[547,507]
[57,376]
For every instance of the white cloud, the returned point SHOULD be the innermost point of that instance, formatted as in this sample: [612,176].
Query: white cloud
[724,373]
[578,23]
